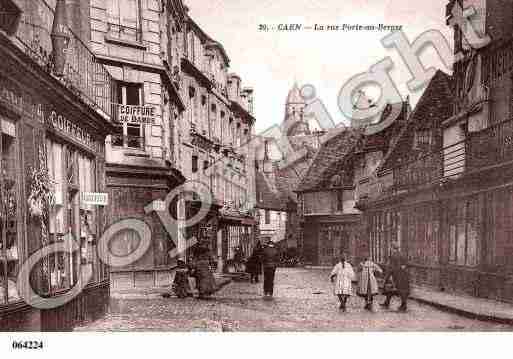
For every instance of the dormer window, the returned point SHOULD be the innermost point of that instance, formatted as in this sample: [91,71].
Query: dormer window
[423,139]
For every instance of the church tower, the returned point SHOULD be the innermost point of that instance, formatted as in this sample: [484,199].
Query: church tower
[295,123]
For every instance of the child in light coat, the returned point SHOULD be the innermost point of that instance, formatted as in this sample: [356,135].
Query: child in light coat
[342,276]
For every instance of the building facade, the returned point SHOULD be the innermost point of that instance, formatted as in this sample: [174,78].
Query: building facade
[141,43]
[339,175]
[215,146]
[55,115]
[448,203]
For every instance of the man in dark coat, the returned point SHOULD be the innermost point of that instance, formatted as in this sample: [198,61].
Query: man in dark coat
[270,262]
[397,279]
[254,264]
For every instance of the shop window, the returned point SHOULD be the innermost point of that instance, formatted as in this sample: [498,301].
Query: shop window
[73,174]
[129,135]
[9,245]
[123,19]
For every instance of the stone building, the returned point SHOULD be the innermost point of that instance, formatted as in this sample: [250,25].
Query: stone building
[215,145]
[195,127]
[140,43]
[55,114]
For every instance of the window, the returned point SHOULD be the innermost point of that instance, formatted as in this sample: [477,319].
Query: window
[9,255]
[194,164]
[423,139]
[129,135]
[463,223]
[123,19]
[205,165]
[340,201]
[267,216]
[73,174]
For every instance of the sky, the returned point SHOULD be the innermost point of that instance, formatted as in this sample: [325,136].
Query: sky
[272,61]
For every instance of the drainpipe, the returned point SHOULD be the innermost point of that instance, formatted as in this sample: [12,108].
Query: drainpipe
[60,37]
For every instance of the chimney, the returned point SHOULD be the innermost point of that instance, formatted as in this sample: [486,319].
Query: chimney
[249,95]
[234,87]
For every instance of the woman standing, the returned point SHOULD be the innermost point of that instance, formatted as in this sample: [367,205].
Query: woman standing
[342,276]
[368,286]
[205,280]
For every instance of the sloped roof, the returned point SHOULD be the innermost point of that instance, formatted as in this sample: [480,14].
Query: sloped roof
[387,118]
[331,152]
[269,193]
[432,109]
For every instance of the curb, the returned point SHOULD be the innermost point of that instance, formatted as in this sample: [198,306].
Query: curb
[464,313]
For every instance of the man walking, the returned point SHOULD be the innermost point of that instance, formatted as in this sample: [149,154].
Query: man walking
[397,279]
[270,262]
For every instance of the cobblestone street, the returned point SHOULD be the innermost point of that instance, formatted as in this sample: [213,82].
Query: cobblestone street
[303,302]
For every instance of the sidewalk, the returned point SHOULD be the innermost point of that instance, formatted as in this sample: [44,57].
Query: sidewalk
[157,292]
[470,307]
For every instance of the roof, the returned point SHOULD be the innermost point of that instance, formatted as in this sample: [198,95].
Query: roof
[388,116]
[269,193]
[209,41]
[331,152]
[433,107]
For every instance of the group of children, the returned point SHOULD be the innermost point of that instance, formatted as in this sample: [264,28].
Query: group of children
[343,276]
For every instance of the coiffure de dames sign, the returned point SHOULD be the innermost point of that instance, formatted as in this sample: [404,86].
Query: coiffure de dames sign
[140,115]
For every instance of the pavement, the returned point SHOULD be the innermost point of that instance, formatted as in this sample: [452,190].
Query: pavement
[470,307]
[303,301]
[158,292]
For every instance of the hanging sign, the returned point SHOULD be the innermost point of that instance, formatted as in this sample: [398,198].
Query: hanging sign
[137,114]
[95,199]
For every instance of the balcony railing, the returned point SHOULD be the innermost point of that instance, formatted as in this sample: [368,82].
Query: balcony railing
[135,142]
[83,74]
[486,148]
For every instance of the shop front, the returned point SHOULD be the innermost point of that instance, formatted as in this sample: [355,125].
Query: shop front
[235,232]
[52,161]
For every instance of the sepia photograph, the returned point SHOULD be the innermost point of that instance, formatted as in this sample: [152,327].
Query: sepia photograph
[286,166]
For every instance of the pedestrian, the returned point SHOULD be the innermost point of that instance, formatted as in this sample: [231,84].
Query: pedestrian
[205,281]
[238,258]
[368,285]
[181,286]
[397,279]
[254,263]
[270,262]
[342,276]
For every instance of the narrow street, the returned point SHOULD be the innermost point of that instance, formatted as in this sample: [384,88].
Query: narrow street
[303,302]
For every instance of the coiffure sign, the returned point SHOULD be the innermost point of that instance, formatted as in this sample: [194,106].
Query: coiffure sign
[141,115]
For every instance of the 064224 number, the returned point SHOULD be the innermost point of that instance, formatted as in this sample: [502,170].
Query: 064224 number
[29,345]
